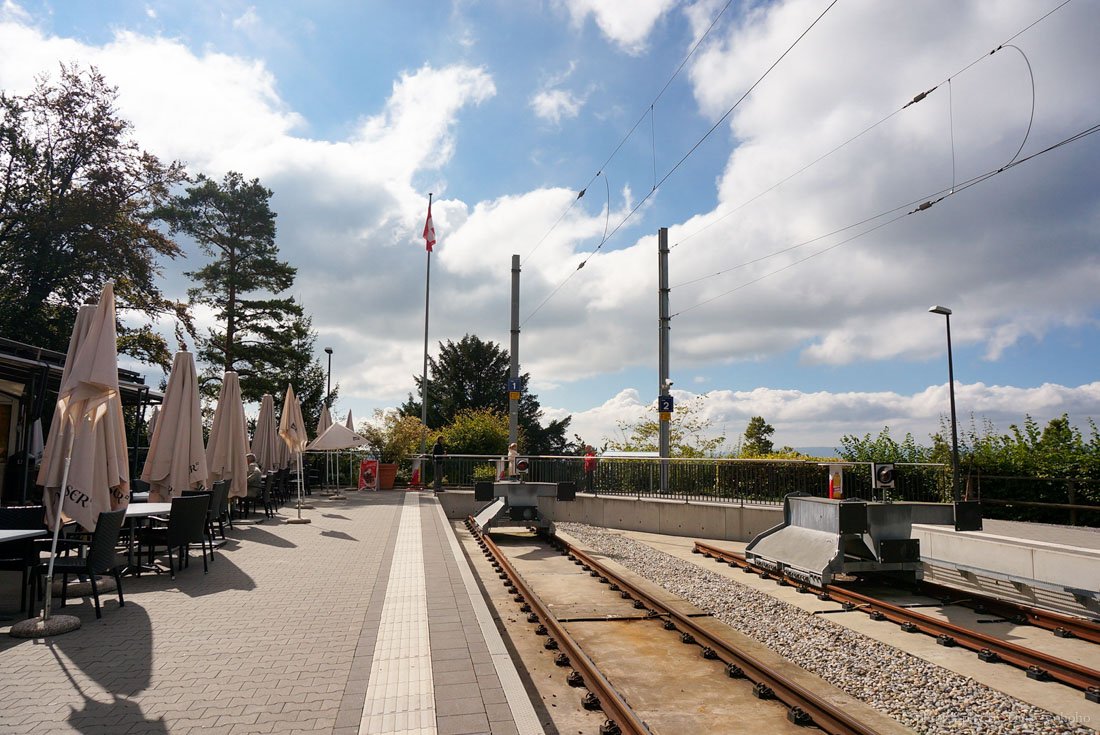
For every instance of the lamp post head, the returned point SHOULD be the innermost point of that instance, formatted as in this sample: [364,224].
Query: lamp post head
[940,310]
[328,350]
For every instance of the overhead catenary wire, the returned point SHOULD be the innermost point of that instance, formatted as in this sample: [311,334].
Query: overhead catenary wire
[683,158]
[647,111]
[924,206]
[920,97]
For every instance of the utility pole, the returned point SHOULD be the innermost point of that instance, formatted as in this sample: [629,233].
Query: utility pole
[664,400]
[513,354]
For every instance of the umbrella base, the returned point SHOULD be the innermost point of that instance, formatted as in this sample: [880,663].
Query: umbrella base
[304,506]
[337,496]
[297,520]
[39,628]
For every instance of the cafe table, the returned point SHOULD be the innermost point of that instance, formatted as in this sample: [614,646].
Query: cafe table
[134,511]
[17,534]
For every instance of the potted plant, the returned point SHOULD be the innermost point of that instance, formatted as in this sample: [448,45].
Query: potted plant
[392,438]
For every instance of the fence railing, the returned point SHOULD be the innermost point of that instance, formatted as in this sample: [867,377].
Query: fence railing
[717,479]
[748,481]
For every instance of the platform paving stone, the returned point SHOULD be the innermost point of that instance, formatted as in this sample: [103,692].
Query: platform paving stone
[273,640]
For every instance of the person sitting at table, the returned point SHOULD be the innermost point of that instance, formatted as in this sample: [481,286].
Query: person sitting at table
[255,476]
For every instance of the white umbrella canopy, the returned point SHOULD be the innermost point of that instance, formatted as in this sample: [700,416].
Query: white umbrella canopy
[324,421]
[336,436]
[88,424]
[265,442]
[177,457]
[227,451]
[350,423]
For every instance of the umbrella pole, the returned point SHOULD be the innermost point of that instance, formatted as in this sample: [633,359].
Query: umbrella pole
[299,519]
[38,627]
[57,521]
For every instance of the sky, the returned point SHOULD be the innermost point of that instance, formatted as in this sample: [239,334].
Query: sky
[772,139]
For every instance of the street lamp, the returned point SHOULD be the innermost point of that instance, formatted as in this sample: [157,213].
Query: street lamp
[955,494]
[328,386]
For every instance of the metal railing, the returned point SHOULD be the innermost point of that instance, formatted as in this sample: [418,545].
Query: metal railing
[713,479]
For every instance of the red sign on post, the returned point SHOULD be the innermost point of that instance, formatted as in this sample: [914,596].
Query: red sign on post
[368,474]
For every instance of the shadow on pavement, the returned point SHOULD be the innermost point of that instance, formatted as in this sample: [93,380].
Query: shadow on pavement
[258,535]
[120,665]
[338,534]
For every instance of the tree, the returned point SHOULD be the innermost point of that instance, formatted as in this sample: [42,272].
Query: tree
[758,437]
[883,448]
[689,432]
[473,374]
[298,366]
[234,225]
[78,206]
[477,431]
[391,436]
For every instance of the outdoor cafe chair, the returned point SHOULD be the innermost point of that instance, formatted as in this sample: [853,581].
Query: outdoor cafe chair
[99,558]
[219,508]
[185,525]
[20,556]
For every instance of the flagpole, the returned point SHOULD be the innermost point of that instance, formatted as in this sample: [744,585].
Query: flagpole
[424,373]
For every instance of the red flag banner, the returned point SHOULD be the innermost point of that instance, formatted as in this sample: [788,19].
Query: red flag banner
[429,230]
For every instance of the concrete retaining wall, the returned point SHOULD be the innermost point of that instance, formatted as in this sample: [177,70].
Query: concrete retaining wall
[728,521]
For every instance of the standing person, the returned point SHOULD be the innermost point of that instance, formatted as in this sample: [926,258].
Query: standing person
[438,452]
[589,468]
[513,452]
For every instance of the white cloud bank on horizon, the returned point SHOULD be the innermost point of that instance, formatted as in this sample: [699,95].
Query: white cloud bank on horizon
[1015,256]
[805,419]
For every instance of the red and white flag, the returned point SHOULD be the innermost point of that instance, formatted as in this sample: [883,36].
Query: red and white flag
[429,230]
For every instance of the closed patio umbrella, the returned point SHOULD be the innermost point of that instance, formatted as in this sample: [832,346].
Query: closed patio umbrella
[265,442]
[86,451]
[349,423]
[293,431]
[227,450]
[177,458]
[324,420]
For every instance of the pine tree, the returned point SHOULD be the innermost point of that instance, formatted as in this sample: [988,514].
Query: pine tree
[256,330]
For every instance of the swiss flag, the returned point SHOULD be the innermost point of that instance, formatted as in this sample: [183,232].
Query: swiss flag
[429,230]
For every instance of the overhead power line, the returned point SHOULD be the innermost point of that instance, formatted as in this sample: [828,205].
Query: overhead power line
[679,163]
[923,207]
[915,100]
[647,111]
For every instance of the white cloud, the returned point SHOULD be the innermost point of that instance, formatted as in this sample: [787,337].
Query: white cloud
[804,419]
[626,24]
[554,104]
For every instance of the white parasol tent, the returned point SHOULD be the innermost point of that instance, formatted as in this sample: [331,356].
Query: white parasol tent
[336,436]
[88,428]
[177,458]
[292,428]
[265,442]
[227,451]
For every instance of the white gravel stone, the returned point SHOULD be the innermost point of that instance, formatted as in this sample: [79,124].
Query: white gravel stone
[919,694]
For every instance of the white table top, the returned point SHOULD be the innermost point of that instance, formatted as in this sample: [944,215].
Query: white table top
[15,534]
[139,497]
[144,510]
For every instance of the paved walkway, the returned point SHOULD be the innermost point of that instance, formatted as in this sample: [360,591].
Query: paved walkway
[359,622]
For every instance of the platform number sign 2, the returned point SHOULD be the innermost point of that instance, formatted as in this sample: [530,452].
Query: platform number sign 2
[665,404]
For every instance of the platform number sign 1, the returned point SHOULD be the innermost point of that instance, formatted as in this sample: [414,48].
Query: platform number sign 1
[515,388]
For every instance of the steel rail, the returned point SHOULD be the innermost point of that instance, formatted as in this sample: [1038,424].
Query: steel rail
[800,700]
[1065,626]
[1038,664]
[613,705]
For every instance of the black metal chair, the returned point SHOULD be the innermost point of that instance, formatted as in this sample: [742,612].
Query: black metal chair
[20,556]
[185,525]
[219,508]
[99,558]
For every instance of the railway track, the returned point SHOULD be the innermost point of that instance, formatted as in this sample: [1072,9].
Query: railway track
[801,705]
[1038,665]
